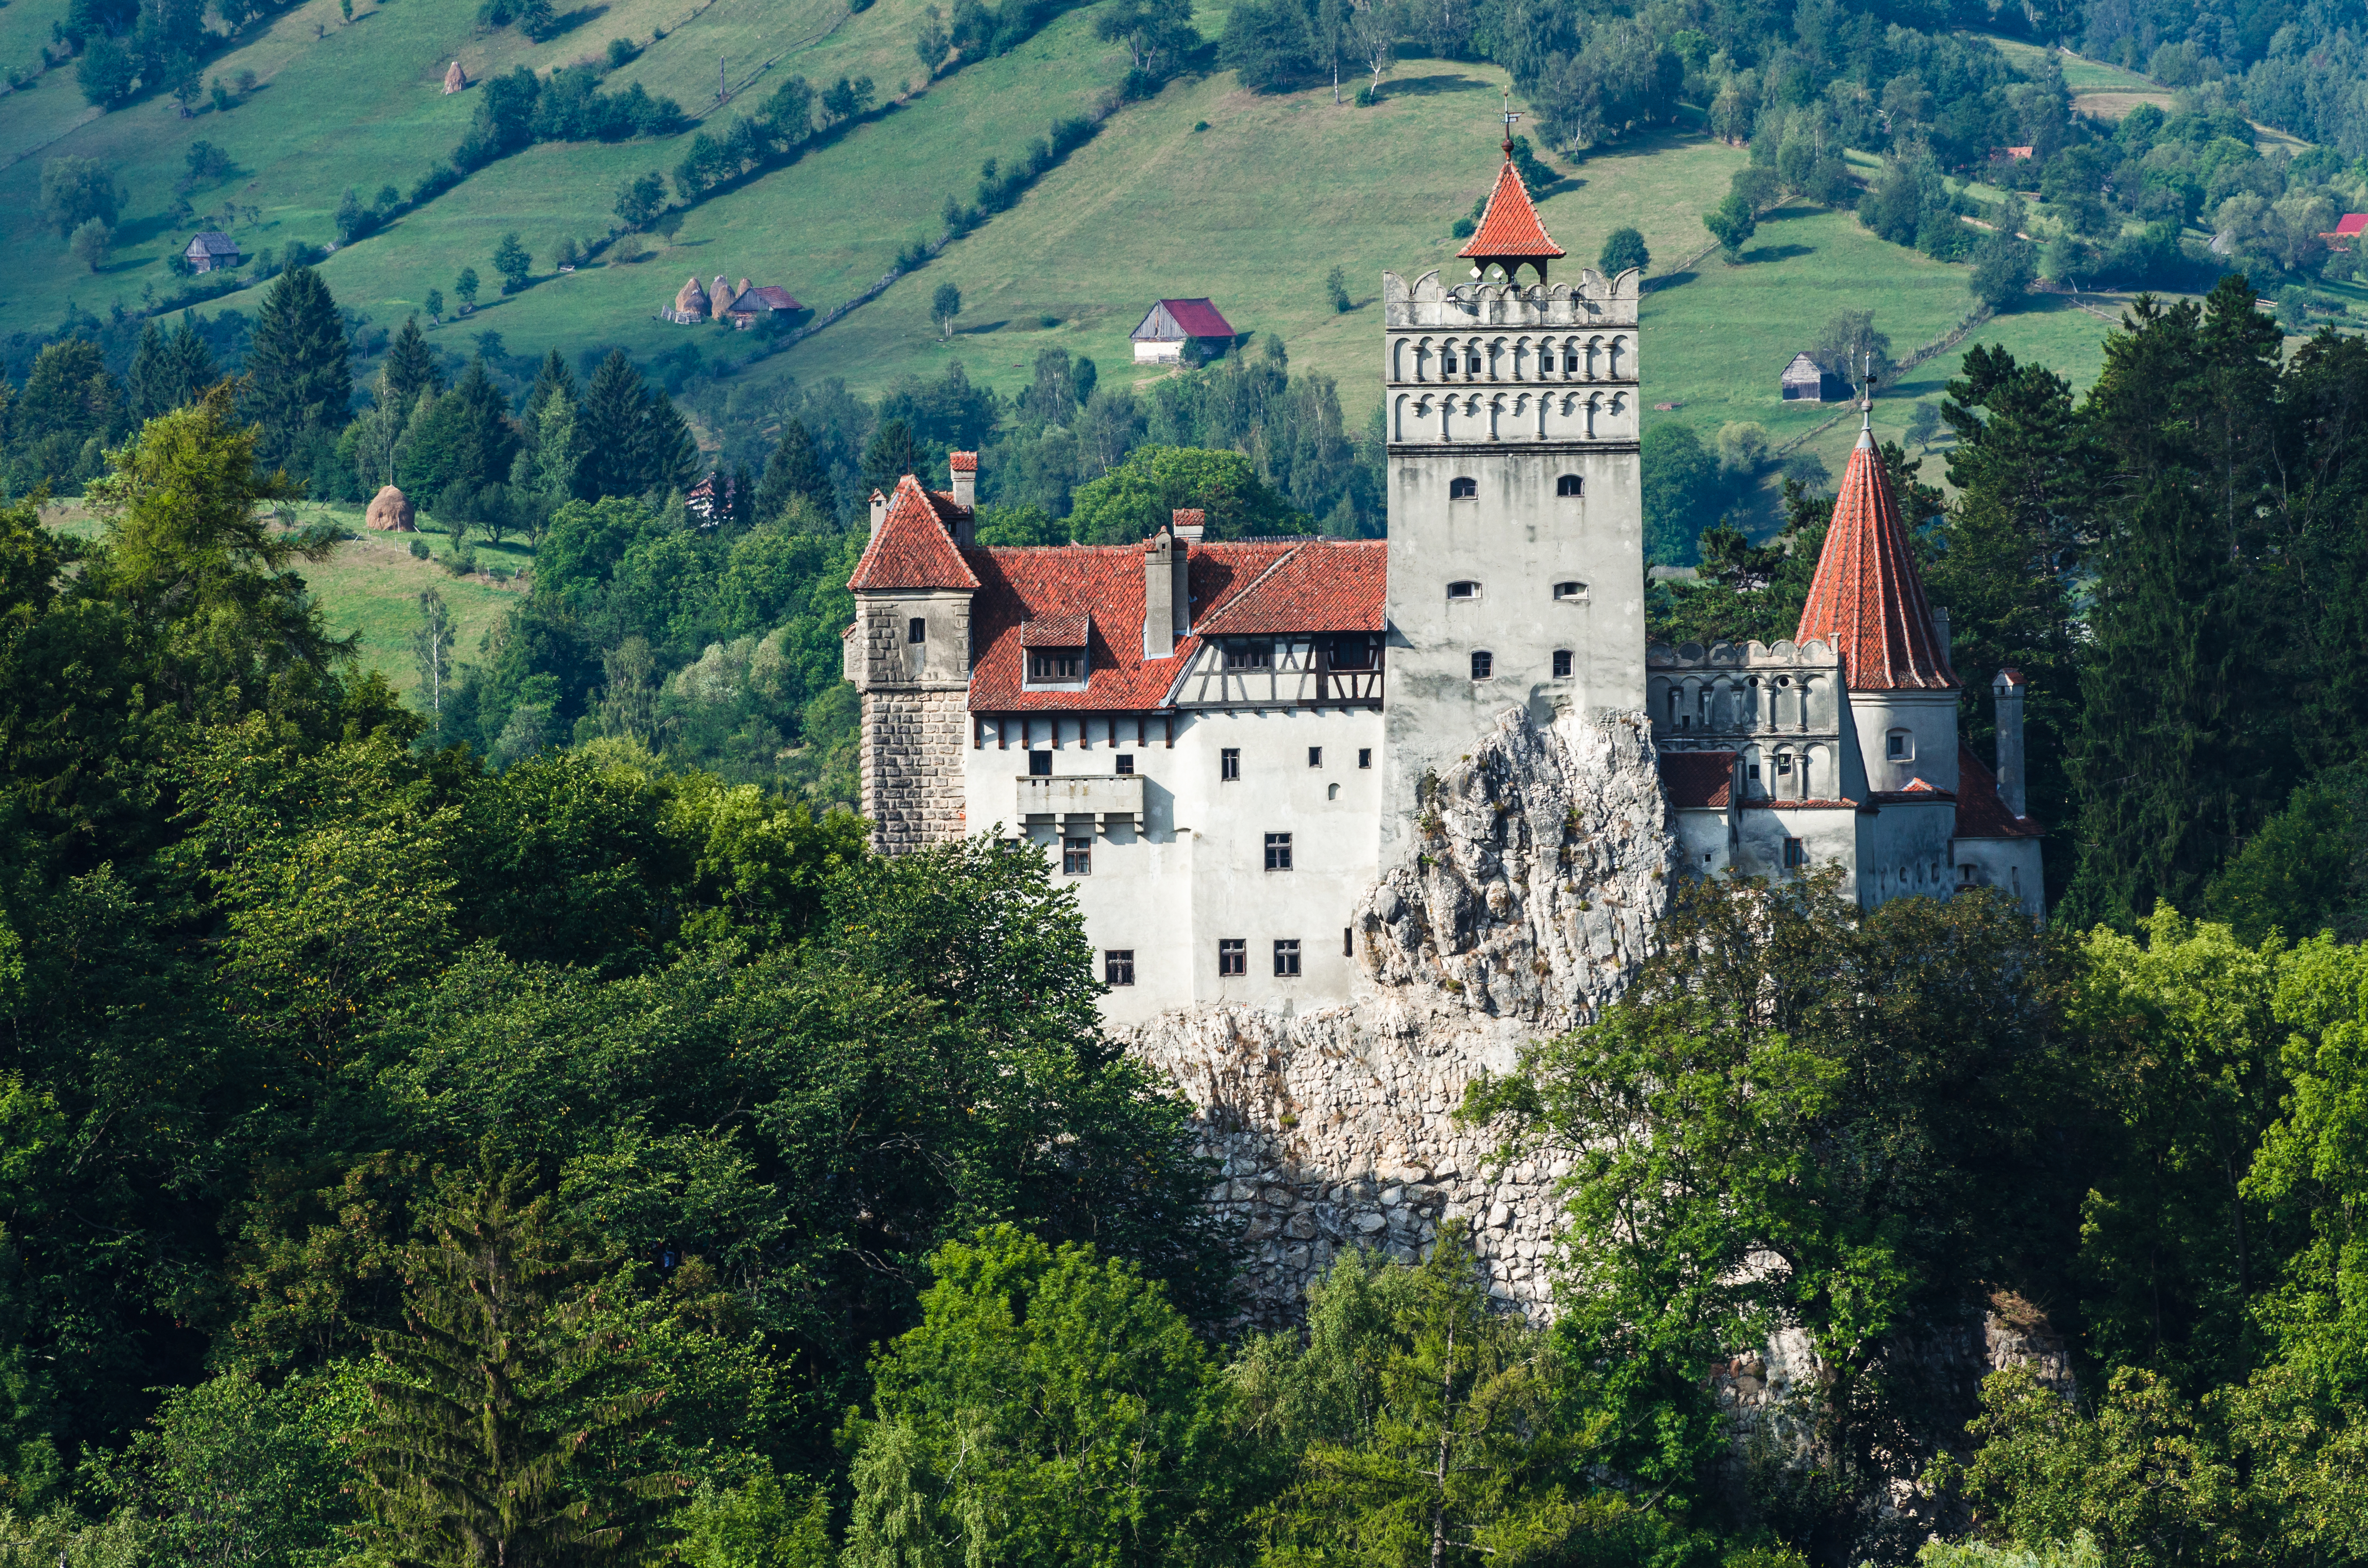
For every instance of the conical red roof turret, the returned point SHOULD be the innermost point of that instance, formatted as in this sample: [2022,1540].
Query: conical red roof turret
[1866,601]
[1510,232]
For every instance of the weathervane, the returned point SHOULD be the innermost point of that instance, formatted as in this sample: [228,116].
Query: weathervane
[1511,114]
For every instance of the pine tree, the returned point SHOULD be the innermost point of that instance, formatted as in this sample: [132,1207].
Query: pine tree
[795,468]
[2186,739]
[553,379]
[298,382]
[503,1426]
[610,423]
[194,369]
[150,378]
[669,454]
[411,364]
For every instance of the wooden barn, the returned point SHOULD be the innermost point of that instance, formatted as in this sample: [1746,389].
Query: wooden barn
[1170,333]
[211,251]
[1806,381]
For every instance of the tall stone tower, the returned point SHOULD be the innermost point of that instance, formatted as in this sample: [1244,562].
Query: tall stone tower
[1516,525]
[909,656]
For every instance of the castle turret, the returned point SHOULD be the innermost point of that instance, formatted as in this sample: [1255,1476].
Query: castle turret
[1867,603]
[2007,688]
[908,654]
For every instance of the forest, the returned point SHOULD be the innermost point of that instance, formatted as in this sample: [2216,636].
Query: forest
[425,1150]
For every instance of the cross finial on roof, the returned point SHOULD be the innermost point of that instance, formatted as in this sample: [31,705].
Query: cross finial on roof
[1511,114]
[1866,398]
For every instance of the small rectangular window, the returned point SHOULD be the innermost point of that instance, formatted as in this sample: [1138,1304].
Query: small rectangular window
[1056,664]
[1896,747]
[1229,764]
[1256,655]
[1286,957]
[1462,590]
[1117,966]
[1364,757]
[1570,590]
[1040,765]
[1471,368]
[1232,955]
[1315,757]
[1126,762]
[1278,852]
[1077,857]
[1796,853]
[1348,941]
[1784,762]
[1483,666]
[1753,771]
[1562,664]
[1570,364]
[917,629]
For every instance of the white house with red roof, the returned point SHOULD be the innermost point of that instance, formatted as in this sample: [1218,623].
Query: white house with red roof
[1169,330]
[1221,745]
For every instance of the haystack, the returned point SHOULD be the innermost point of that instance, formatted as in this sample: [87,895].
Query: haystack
[455,78]
[390,512]
[719,298]
[692,299]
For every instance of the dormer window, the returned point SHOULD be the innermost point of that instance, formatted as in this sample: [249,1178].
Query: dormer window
[1055,646]
[1463,590]
[1568,484]
[1462,489]
[1056,664]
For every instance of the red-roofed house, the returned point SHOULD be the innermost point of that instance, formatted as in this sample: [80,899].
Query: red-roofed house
[2348,228]
[1177,330]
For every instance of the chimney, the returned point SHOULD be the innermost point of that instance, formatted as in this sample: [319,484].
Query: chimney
[1160,595]
[1940,630]
[879,512]
[1189,522]
[964,466]
[2007,688]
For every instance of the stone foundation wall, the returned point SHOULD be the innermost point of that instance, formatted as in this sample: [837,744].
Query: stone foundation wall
[910,766]
[1546,863]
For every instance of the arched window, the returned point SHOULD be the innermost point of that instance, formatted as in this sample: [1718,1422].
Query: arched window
[1462,489]
[1570,590]
[1463,590]
[1568,484]
[1483,664]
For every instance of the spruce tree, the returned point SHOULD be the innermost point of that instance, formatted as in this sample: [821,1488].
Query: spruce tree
[610,424]
[194,370]
[411,364]
[669,455]
[795,468]
[298,382]
[150,378]
[2186,738]
[505,1414]
[553,379]
[2004,555]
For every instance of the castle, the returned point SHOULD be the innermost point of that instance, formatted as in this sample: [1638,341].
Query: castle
[1223,744]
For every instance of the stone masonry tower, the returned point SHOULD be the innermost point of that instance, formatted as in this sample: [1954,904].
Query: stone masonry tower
[908,654]
[1516,525]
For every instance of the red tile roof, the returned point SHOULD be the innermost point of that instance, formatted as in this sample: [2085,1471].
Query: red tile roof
[2352,223]
[1509,227]
[1697,777]
[1980,812]
[913,548]
[1322,585]
[1057,630]
[1101,584]
[1866,601]
[963,462]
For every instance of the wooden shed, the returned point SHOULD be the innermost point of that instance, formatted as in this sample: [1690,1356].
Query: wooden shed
[1169,332]
[1806,381]
[212,251]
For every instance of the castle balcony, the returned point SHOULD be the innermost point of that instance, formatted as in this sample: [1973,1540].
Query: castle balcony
[1098,795]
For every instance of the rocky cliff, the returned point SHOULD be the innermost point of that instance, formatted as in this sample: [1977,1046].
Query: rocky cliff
[1546,859]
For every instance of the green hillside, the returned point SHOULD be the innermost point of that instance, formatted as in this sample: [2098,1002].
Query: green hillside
[1253,210]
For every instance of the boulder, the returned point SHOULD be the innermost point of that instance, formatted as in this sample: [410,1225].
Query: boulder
[390,512]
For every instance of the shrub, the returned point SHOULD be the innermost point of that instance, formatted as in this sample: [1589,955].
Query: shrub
[1623,248]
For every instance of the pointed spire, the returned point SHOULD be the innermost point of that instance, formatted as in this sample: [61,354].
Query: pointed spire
[1510,232]
[1866,601]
